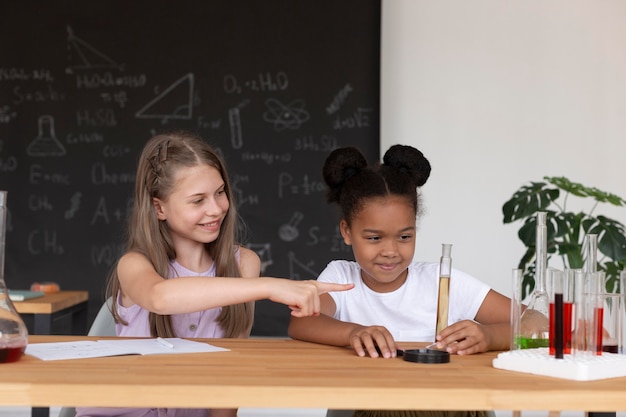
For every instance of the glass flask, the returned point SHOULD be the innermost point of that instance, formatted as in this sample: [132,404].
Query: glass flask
[13,333]
[445,267]
[534,324]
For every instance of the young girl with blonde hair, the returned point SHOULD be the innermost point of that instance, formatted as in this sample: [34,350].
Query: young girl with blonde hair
[183,273]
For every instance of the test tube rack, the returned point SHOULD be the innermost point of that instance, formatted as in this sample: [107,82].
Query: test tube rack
[538,361]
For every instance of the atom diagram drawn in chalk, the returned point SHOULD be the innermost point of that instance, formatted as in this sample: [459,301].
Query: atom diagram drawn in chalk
[285,116]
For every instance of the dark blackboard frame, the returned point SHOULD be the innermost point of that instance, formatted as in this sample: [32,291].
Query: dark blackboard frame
[273,85]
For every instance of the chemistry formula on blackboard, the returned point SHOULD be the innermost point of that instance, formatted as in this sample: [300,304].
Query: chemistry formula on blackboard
[273,86]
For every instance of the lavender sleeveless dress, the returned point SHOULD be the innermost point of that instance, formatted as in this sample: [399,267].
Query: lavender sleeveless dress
[200,324]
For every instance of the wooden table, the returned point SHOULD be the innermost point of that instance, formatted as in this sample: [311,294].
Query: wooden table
[47,309]
[279,373]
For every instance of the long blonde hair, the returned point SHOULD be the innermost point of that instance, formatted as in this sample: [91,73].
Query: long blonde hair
[159,161]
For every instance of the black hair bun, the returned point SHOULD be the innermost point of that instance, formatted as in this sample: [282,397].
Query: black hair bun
[340,165]
[409,160]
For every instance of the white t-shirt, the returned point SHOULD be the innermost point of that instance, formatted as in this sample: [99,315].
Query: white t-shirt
[410,312]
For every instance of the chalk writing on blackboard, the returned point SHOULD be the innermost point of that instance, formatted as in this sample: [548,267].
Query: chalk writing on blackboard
[264,82]
[6,114]
[234,119]
[175,102]
[74,206]
[289,231]
[289,185]
[267,84]
[99,117]
[44,241]
[264,250]
[8,164]
[105,255]
[360,118]
[324,143]
[26,74]
[242,198]
[285,116]
[46,142]
[339,99]
[298,270]
[268,158]
[90,57]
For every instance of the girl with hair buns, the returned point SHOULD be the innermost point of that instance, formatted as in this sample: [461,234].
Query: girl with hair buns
[394,298]
[183,273]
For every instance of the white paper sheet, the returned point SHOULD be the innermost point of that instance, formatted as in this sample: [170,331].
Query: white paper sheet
[95,349]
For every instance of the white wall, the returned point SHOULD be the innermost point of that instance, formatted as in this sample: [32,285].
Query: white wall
[496,94]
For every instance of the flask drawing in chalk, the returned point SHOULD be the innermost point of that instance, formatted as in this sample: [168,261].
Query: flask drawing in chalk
[46,143]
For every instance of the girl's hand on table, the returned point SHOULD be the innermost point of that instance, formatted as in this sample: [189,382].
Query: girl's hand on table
[463,338]
[375,341]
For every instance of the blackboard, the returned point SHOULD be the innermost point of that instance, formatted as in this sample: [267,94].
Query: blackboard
[274,85]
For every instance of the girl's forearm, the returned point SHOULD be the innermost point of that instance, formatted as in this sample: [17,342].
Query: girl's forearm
[499,336]
[190,294]
[321,329]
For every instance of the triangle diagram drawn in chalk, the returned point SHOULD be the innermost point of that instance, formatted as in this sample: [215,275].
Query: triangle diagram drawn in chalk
[264,250]
[89,57]
[298,270]
[175,102]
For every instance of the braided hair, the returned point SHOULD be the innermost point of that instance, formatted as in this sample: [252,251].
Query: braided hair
[161,158]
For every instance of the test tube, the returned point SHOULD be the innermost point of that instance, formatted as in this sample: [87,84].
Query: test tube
[612,322]
[516,308]
[597,296]
[588,313]
[612,302]
[445,267]
[556,345]
[590,252]
[541,257]
[568,308]
[593,304]
[579,339]
[622,313]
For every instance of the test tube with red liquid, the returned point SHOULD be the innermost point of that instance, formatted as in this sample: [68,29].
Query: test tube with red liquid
[556,331]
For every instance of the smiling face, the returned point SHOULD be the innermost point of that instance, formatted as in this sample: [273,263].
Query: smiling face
[195,209]
[382,236]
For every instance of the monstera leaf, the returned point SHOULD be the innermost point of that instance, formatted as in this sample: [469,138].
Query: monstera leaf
[566,230]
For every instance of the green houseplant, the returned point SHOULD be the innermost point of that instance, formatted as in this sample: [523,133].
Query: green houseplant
[566,229]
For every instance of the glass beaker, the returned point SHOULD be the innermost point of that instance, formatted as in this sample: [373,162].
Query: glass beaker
[534,325]
[13,332]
